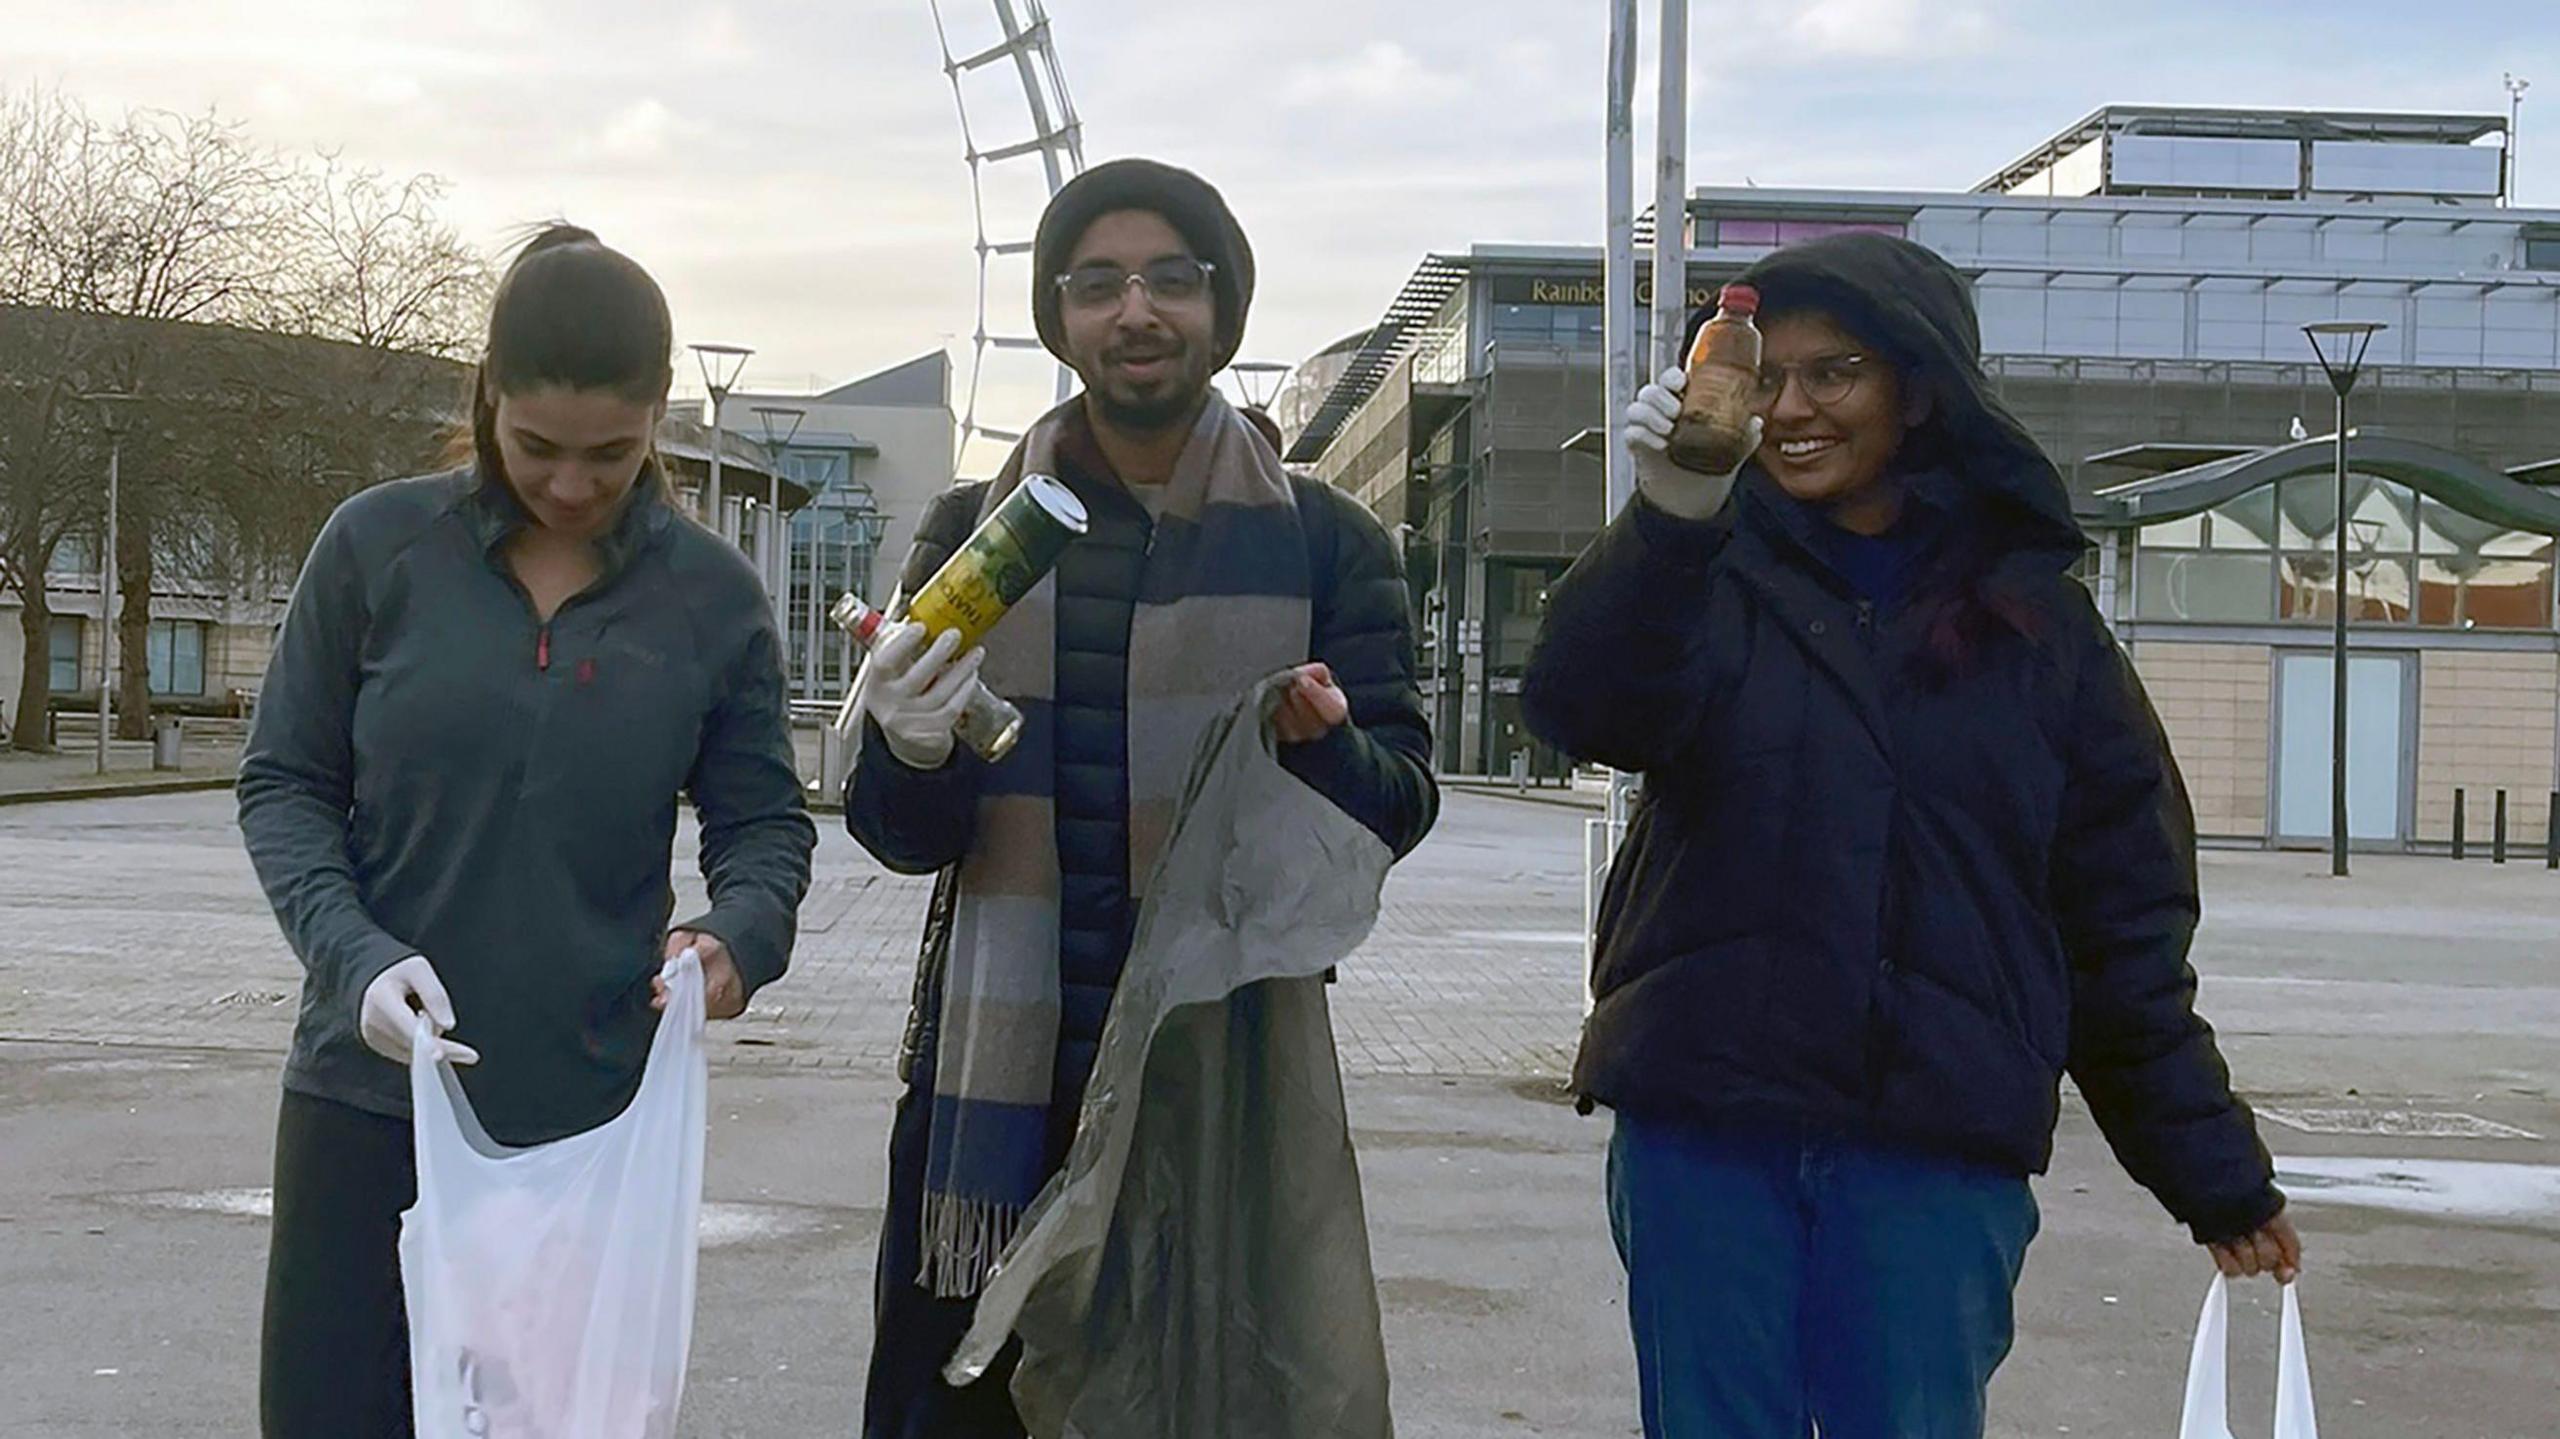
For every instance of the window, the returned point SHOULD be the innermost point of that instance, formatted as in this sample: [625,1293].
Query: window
[1442,359]
[66,653]
[74,559]
[2542,249]
[1564,326]
[2381,543]
[1785,232]
[2209,568]
[2472,574]
[1796,231]
[1516,603]
[177,657]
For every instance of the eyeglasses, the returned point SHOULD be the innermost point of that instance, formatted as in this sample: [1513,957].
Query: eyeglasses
[1826,381]
[1177,280]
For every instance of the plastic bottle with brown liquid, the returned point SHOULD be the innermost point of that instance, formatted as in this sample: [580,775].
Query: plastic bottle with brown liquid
[1713,434]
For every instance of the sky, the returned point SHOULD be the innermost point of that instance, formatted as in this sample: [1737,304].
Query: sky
[792,170]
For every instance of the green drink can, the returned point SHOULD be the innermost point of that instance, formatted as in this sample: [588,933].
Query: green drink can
[1013,549]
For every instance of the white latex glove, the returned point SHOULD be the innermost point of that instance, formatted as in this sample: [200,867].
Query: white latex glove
[388,1016]
[916,693]
[1673,490]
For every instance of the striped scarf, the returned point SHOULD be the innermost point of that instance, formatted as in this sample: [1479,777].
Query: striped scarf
[1223,604]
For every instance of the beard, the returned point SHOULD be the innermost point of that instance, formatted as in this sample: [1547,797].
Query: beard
[1155,407]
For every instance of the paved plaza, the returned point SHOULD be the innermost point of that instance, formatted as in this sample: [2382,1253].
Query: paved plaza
[2401,1030]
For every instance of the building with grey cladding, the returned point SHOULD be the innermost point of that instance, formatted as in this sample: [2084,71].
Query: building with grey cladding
[2143,278]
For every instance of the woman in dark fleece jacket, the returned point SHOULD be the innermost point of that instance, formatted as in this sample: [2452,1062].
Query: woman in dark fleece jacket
[461,796]
[1911,847]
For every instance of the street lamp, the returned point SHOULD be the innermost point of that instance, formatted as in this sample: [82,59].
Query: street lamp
[2340,346]
[781,425]
[721,365]
[1258,381]
[2516,86]
[114,413]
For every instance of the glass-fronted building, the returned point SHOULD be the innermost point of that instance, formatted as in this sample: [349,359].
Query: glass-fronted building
[2142,278]
[2219,569]
[871,454]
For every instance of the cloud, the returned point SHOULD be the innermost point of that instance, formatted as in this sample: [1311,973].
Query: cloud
[394,91]
[640,131]
[723,38]
[1889,29]
[797,180]
[1383,73]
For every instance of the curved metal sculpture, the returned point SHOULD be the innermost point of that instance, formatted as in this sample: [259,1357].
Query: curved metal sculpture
[1055,139]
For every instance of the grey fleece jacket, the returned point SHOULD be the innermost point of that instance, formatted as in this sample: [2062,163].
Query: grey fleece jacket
[435,771]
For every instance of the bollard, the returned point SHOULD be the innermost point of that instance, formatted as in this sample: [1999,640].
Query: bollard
[1520,770]
[2461,826]
[2498,842]
[2551,833]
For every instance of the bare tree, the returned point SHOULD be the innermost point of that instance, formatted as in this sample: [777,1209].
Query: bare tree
[374,265]
[34,129]
[162,218]
[159,216]
[44,454]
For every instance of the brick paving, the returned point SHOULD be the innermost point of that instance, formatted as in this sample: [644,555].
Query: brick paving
[137,922]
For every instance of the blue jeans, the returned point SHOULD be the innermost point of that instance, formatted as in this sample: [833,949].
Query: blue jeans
[1783,1282]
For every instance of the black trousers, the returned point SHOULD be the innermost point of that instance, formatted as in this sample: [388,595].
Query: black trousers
[913,1332]
[334,1352]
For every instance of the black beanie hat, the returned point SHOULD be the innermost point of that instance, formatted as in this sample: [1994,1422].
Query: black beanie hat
[1188,203]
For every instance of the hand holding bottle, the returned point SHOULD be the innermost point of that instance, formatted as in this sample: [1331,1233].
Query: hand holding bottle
[1684,493]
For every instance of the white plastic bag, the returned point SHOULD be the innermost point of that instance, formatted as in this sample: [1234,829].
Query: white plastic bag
[2208,1413]
[550,1289]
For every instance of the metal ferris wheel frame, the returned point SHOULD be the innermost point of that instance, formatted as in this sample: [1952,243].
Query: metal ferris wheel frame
[1055,140]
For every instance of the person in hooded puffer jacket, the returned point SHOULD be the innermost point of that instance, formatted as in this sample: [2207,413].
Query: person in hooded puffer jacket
[1910,847]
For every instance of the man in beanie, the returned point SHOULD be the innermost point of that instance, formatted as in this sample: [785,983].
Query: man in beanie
[1207,569]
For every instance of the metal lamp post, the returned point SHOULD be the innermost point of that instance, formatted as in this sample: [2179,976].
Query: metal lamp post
[1628,369]
[781,425]
[865,527]
[114,412]
[1258,381]
[2515,86]
[721,365]
[2340,346]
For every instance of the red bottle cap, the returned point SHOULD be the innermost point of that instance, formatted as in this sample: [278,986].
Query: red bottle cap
[1739,300]
[866,620]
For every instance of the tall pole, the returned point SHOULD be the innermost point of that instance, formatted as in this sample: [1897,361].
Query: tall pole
[2341,346]
[721,367]
[713,511]
[107,603]
[1618,286]
[1671,191]
[811,677]
[1618,265]
[777,552]
[1670,215]
[774,542]
[2515,116]
[2338,663]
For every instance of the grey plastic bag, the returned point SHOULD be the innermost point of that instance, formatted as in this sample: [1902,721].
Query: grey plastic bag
[1201,1265]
